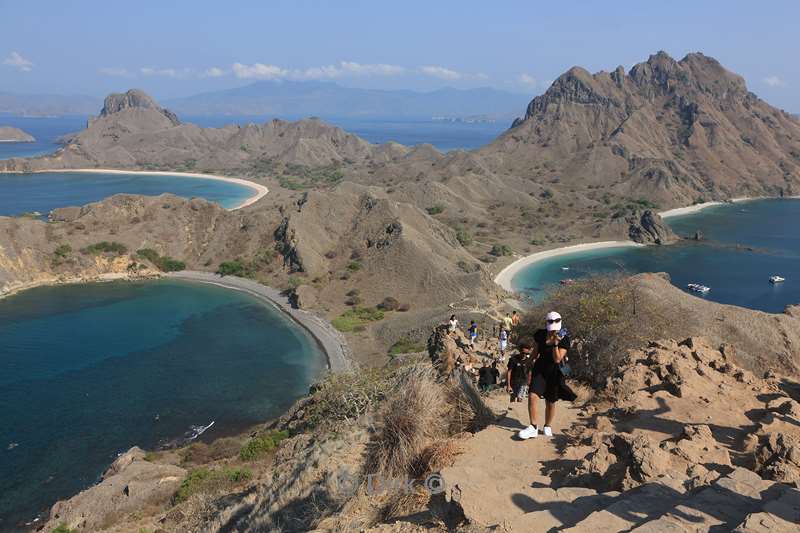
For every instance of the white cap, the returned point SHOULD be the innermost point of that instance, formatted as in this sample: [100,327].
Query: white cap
[553,321]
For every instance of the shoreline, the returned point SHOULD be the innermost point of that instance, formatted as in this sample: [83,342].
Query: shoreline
[690,209]
[505,276]
[260,190]
[330,341]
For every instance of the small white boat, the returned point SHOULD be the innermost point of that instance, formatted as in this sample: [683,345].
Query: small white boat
[776,279]
[696,287]
[564,268]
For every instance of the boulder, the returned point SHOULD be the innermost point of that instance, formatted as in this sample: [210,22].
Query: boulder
[778,457]
[648,228]
[130,484]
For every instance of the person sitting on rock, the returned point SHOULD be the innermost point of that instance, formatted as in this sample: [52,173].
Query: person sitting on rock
[452,325]
[546,380]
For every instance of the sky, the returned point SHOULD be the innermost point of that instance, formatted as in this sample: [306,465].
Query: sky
[179,48]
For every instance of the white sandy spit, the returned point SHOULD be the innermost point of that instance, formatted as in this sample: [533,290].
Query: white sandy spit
[507,274]
[679,211]
[260,190]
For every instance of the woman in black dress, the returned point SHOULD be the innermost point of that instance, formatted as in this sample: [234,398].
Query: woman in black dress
[550,347]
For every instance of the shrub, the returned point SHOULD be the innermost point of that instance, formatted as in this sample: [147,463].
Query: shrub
[499,250]
[354,266]
[403,308]
[406,346]
[232,268]
[106,247]
[294,282]
[463,236]
[202,480]
[149,254]
[62,528]
[165,263]
[343,397]
[355,319]
[259,446]
[389,304]
[63,250]
[151,456]
[604,321]
[435,210]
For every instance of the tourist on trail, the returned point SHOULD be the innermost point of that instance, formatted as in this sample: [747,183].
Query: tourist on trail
[546,379]
[519,368]
[488,376]
[473,333]
[503,344]
[507,322]
[515,320]
[452,326]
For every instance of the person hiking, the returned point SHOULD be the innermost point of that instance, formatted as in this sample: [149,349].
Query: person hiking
[515,320]
[507,322]
[550,346]
[519,368]
[503,344]
[488,376]
[452,325]
[473,333]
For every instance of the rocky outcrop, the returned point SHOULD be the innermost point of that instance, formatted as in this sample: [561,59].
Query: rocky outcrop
[648,228]
[130,484]
[9,134]
[134,99]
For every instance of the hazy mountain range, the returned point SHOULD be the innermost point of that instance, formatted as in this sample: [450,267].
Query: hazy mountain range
[297,99]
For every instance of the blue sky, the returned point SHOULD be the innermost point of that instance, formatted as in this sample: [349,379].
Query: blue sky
[180,48]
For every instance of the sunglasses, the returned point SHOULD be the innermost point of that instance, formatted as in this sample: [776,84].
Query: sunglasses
[553,321]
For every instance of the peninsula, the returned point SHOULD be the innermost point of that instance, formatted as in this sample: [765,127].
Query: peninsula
[14,135]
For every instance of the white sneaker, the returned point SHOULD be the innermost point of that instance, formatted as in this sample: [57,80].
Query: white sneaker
[548,431]
[528,432]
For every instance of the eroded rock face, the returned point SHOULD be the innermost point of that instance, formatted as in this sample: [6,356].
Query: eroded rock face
[778,457]
[134,98]
[131,483]
[649,228]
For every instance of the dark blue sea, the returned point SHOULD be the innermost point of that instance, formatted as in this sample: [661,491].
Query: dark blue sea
[91,370]
[744,244]
[43,192]
[45,130]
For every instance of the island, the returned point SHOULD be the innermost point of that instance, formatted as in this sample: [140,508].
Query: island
[14,135]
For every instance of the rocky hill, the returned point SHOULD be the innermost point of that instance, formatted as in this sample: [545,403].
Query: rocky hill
[9,134]
[671,131]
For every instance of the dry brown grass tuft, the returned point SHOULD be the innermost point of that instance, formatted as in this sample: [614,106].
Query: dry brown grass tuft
[434,457]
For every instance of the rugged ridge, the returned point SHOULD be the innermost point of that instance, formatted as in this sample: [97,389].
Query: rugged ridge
[9,134]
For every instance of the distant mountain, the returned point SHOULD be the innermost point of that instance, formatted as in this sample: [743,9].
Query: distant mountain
[328,99]
[38,105]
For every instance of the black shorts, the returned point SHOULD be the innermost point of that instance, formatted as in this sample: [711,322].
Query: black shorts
[545,385]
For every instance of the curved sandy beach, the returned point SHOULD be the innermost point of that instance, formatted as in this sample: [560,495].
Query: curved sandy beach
[329,339]
[507,274]
[260,190]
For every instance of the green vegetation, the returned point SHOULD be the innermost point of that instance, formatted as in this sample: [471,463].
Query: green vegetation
[63,251]
[499,250]
[294,282]
[353,266]
[163,263]
[202,480]
[62,528]
[106,247]
[258,446]
[356,319]
[406,346]
[435,210]
[343,397]
[463,236]
[232,268]
[299,177]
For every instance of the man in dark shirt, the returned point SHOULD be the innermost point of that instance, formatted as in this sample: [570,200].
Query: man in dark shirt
[519,369]
[488,377]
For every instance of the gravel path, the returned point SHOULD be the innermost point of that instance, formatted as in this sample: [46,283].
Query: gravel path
[330,340]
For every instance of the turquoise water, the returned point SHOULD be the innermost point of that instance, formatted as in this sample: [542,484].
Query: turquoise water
[87,368]
[745,243]
[26,193]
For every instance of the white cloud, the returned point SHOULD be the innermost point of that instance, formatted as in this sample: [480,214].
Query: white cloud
[342,69]
[774,81]
[441,72]
[115,71]
[17,61]
[214,72]
[259,71]
[166,72]
[527,79]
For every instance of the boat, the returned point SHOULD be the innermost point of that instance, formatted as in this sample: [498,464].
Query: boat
[564,268]
[696,287]
[776,279]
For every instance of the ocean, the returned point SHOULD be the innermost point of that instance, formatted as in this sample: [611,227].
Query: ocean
[43,192]
[744,244]
[91,370]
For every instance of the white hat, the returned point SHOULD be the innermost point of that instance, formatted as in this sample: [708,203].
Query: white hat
[553,321]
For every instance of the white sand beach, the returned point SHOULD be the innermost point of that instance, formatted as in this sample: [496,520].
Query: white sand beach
[260,190]
[507,274]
